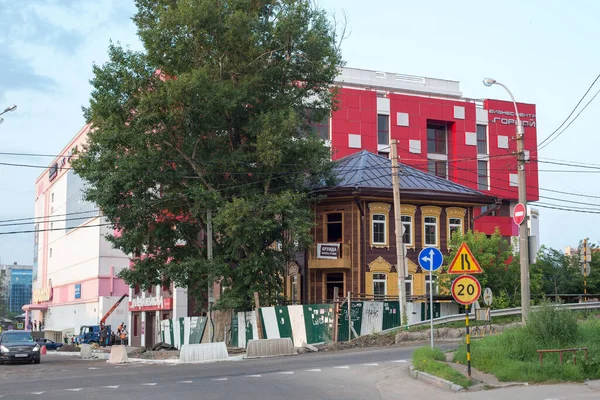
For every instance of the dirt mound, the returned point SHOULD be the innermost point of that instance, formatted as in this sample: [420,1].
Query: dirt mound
[67,348]
[375,340]
[162,354]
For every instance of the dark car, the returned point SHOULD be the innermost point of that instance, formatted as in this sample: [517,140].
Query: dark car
[18,346]
[50,344]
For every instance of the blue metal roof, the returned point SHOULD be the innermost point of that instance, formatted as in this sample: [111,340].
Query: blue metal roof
[367,170]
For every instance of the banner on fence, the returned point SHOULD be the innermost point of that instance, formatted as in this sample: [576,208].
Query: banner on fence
[177,332]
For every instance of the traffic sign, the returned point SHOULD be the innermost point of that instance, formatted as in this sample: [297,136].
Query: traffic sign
[430,259]
[585,269]
[487,296]
[519,214]
[464,262]
[466,289]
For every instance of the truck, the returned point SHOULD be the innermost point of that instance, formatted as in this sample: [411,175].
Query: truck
[91,333]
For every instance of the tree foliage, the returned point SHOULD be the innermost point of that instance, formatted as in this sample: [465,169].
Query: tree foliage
[211,116]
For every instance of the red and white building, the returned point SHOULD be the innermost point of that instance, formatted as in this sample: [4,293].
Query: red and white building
[468,141]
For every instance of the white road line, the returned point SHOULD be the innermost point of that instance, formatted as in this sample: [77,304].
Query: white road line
[343,367]
[219,379]
[64,370]
[37,392]
[112,387]
[149,384]
[399,361]
[92,368]
[314,370]
[73,390]
[371,364]
[286,372]
[254,376]
[185,381]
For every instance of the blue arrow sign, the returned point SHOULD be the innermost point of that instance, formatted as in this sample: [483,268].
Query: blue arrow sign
[430,259]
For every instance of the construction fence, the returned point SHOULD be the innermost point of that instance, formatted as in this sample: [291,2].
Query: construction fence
[177,332]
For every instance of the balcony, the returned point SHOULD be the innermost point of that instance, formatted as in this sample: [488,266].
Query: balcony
[328,259]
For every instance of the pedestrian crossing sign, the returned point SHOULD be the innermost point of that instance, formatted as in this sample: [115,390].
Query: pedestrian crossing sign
[464,262]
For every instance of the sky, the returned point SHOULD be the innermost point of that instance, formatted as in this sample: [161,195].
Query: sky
[543,50]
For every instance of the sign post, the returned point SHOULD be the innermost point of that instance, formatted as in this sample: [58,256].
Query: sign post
[466,289]
[431,259]
[586,258]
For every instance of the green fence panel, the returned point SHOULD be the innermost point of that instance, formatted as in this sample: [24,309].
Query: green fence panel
[197,327]
[356,309]
[318,323]
[283,321]
[391,315]
[248,327]
[233,342]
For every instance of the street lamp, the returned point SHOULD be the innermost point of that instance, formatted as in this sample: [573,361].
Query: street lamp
[9,109]
[523,233]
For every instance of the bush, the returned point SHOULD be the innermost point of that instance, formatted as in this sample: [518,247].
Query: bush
[433,361]
[551,326]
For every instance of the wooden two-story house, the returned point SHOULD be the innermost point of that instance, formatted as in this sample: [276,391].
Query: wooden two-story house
[354,231]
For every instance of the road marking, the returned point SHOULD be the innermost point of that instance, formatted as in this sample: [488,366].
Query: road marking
[314,370]
[37,392]
[371,364]
[399,361]
[185,381]
[149,384]
[111,387]
[219,379]
[73,390]
[343,367]
[254,376]
[286,372]
[92,368]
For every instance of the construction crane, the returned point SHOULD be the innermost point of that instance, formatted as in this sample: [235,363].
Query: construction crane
[91,333]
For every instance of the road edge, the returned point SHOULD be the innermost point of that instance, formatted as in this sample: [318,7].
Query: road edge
[434,380]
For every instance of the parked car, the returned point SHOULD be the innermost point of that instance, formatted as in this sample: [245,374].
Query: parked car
[50,344]
[18,346]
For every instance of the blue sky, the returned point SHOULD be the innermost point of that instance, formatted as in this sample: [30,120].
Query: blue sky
[543,50]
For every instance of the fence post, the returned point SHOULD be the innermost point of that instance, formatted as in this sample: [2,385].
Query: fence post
[335,315]
[349,318]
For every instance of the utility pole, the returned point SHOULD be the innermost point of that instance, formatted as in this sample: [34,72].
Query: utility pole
[585,257]
[523,229]
[399,229]
[209,254]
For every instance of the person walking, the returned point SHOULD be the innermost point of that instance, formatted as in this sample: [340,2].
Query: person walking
[103,336]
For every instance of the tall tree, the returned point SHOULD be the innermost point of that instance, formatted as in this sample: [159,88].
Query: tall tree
[560,275]
[212,116]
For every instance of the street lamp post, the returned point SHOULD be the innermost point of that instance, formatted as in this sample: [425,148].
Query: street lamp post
[7,109]
[523,233]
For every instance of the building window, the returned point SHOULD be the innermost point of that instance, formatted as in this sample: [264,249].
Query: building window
[437,136]
[455,225]
[428,284]
[379,286]
[438,168]
[408,285]
[482,139]
[334,225]
[430,238]
[383,129]
[379,229]
[482,175]
[408,230]
[380,213]
[319,128]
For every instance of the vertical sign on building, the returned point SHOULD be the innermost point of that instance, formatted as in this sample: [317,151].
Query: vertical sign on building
[78,291]
[36,241]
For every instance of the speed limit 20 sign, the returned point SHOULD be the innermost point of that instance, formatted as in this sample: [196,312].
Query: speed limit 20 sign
[466,289]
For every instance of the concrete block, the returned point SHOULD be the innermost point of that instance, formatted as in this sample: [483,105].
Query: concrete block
[270,348]
[118,355]
[203,352]
[86,351]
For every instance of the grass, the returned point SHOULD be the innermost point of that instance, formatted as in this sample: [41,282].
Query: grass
[512,355]
[433,361]
[461,324]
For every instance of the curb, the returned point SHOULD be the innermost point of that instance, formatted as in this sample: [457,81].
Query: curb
[439,382]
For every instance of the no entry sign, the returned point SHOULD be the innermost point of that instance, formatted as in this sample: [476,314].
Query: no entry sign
[519,214]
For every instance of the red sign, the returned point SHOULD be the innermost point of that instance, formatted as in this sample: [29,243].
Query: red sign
[519,214]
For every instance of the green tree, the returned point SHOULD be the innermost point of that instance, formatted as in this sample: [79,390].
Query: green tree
[212,116]
[559,275]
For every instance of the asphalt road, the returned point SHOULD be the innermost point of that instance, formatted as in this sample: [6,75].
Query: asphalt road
[356,374]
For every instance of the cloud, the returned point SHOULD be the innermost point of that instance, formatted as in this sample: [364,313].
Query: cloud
[18,74]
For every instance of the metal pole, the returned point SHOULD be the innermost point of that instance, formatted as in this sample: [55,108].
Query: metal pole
[400,264]
[585,250]
[431,307]
[468,343]
[209,254]
[523,233]
[349,319]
